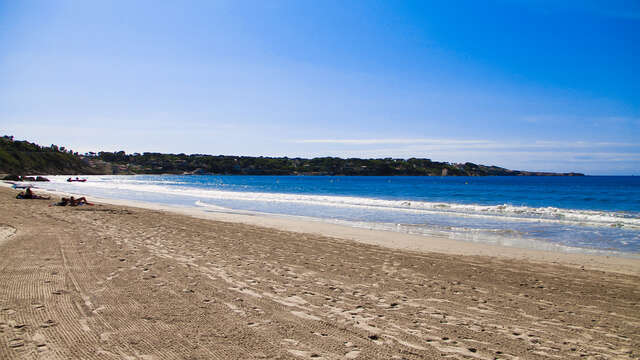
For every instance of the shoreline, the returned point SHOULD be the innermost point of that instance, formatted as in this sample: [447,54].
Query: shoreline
[390,239]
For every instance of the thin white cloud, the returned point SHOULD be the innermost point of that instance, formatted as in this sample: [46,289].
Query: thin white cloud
[466,155]
[388,141]
[467,143]
[542,155]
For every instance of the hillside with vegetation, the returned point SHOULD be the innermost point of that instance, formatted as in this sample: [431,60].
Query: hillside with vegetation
[25,158]
[22,157]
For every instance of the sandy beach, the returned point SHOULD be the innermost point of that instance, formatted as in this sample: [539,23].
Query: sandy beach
[116,281]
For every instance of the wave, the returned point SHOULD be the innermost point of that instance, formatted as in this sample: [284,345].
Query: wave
[215,207]
[502,237]
[499,212]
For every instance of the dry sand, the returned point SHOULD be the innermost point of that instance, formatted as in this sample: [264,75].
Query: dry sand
[111,282]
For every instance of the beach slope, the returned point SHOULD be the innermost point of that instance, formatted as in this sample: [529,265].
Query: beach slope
[110,282]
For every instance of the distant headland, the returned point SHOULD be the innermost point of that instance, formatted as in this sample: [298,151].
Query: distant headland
[26,158]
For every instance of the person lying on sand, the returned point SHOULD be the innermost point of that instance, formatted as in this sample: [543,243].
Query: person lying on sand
[73,201]
[28,194]
[79,201]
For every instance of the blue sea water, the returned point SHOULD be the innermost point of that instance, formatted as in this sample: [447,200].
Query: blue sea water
[570,214]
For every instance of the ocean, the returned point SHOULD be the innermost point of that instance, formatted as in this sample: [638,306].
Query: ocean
[593,214]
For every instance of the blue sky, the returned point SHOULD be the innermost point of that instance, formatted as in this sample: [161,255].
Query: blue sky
[523,84]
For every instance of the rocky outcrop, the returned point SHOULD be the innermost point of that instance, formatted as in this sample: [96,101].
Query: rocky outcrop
[24,178]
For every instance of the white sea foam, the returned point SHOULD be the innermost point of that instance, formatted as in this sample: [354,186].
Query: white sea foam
[502,237]
[499,212]
[549,228]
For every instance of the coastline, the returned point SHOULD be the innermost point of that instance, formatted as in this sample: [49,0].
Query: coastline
[116,281]
[392,240]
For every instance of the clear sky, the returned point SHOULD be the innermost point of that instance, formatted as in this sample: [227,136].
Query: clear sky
[523,84]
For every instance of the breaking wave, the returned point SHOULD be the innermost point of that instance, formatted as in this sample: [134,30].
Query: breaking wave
[619,219]
[412,206]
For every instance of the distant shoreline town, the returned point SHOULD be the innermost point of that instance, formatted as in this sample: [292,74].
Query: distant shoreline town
[26,158]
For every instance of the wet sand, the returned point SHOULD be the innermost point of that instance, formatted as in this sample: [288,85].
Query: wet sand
[114,281]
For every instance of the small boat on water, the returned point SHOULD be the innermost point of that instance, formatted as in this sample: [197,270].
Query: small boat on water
[77,179]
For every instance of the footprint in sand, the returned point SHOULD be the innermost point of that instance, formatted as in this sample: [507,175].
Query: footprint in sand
[16,343]
[40,342]
[304,354]
[48,323]
[352,354]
